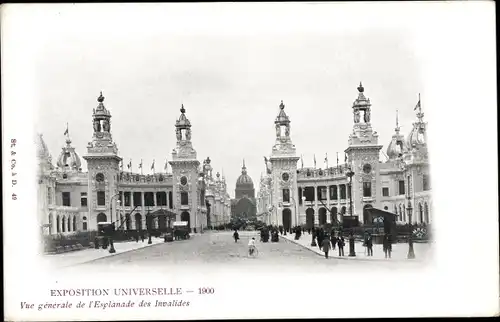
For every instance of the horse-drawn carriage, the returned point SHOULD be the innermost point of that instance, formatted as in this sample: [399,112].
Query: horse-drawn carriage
[181,230]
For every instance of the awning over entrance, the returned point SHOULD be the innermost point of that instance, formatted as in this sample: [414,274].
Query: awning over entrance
[387,218]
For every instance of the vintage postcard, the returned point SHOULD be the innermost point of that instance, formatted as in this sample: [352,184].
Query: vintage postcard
[203,161]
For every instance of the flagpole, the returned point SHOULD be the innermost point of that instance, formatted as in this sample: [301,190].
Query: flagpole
[141,167]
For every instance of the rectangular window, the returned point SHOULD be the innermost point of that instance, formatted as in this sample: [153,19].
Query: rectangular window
[426,183]
[309,193]
[101,198]
[322,193]
[300,196]
[83,199]
[170,200]
[161,198]
[385,192]
[184,198]
[333,193]
[343,191]
[367,189]
[149,199]
[126,196]
[66,199]
[286,195]
[401,187]
[137,199]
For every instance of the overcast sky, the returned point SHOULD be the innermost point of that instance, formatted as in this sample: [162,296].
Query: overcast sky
[230,84]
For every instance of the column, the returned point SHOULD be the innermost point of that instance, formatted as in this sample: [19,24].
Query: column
[316,215]
[154,199]
[143,212]
[166,201]
[328,209]
[131,200]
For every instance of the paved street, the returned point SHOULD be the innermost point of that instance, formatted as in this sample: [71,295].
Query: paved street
[218,249]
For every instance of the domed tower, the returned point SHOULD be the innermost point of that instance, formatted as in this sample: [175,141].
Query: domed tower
[397,147]
[282,169]
[69,160]
[244,185]
[103,168]
[363,158]
[417,139]
[186,197]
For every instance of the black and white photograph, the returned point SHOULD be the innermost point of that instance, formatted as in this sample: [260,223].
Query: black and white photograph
[239,153]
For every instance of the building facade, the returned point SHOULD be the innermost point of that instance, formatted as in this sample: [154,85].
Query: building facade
[290,196]
[70,200]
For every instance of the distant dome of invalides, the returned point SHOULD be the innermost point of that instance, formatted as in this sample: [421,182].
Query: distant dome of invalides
[244,179]
[244,185]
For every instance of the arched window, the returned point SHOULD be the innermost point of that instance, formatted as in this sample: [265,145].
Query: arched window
[404,214]
[69,222]
[84,224]
[74,223]
[401,214]
[63,225]
[58,224]
[421,212]
[101,217]
[138,221]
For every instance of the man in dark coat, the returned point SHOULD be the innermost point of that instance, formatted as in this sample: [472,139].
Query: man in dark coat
[326,246]
[387,245]
[341,243]
[333,239]
[369,244]
[320,238]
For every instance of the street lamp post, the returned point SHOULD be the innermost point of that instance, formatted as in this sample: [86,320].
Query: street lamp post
[409,210]
[411,252]
[112,229]
[352,251]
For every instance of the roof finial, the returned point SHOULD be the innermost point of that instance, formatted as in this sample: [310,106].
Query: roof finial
[397,122]
[361,89]
[183,110]
[244,163]
[100,99]
[282,106]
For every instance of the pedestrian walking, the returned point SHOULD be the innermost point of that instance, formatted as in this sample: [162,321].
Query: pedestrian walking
[326,246]
[341,244]
[369,244]
[236,236]
[333,239]
[387,244]
[320,238]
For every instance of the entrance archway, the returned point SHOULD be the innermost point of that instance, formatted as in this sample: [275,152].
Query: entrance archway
[186,217]
[287,219]
[421,213]
[322,215]
[366,216]
[310,218]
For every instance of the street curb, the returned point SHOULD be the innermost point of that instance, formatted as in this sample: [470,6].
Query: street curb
[111,255]
[346,257]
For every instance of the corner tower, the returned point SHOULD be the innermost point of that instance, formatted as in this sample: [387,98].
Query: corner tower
[103,168]
[283,172]
[185,169]
[363,157]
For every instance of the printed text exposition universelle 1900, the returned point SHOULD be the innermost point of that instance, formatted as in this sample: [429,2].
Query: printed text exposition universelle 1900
[141,291]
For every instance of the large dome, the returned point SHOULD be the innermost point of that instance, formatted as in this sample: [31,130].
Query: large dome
[244,179]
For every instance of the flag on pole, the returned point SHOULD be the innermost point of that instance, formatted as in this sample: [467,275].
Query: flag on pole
[345,158]
[129,165]
[337,159]
[153,165]
[418,104]
[67,129]
[140,165]
[121,165]
[166,165]
[326,160]
[302,161]
[315,161]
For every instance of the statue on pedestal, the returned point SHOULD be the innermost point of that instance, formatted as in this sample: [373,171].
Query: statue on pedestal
[367,116]
[356,116]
